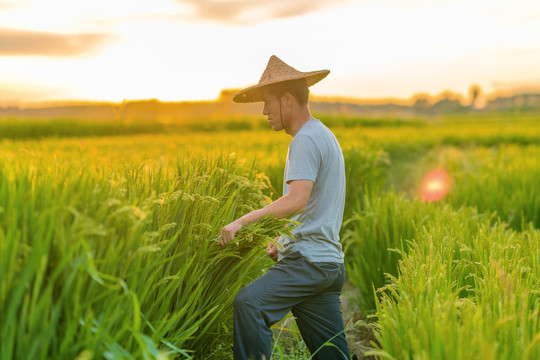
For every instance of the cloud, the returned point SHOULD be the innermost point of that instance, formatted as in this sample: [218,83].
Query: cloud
[251,11]
[28,43]
[6,4]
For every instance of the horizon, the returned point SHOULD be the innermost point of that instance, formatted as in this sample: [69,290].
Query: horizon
[463,98]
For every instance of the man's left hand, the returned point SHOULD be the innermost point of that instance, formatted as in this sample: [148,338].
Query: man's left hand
[228,232]
[272,251]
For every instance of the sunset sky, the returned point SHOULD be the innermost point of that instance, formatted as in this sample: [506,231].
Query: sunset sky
[176,50]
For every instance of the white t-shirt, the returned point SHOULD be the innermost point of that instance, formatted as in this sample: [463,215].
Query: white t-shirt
[314,154]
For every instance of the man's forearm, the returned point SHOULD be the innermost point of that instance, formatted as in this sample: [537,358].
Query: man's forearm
[295,201]
[282,207]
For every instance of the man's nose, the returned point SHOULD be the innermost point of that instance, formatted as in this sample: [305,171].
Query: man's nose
[265,111]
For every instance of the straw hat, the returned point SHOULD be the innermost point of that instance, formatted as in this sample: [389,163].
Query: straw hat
[277,71]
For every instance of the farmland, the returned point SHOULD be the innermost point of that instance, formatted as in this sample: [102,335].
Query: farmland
[107,236]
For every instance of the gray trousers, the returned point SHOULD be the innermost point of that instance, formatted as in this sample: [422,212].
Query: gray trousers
[310,291]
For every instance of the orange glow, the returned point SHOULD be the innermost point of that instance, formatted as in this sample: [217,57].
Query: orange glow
[170,50]
[435,185]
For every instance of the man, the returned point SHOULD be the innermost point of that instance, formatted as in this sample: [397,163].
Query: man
[308,277]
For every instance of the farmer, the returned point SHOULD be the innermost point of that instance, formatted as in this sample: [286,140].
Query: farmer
[308,277]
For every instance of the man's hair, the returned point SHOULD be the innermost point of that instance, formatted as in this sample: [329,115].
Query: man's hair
[297,88]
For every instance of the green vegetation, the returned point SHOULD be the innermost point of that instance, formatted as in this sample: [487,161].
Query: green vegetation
[122,263]
[499,182]
[467,289]
[482,128]
[107,236]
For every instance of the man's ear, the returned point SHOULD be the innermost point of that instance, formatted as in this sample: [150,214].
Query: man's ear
[288,98]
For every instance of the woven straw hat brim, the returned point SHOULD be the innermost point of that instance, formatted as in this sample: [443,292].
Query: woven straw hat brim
[254,93]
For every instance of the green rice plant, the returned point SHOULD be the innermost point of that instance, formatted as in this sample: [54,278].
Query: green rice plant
[459,131]
[379,234]
[120,262]
[467,289]
[502,180]
[106,242]
[38,128]
[287,341]
[365,172]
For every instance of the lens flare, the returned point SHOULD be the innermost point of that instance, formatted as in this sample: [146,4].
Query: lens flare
[435,185]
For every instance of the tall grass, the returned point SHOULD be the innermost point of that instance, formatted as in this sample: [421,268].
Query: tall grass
[376,236]
[467,289]
[120,263]
[459,284]
[365,172]
[394,135]
[379,233]
[20,128]
[106,243]
[502,180]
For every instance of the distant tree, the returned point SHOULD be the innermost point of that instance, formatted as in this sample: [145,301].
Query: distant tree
[421,102]
[449,102]
[474,92]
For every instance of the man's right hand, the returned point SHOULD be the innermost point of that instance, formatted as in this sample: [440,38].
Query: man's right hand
[271,250]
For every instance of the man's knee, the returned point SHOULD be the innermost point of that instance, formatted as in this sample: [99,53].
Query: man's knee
[244,298]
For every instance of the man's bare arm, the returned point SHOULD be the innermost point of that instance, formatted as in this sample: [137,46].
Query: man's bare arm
[296,200]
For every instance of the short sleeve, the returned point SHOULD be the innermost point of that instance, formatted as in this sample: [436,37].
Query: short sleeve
[304,159]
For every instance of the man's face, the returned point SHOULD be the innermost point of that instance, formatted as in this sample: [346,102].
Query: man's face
[272,110]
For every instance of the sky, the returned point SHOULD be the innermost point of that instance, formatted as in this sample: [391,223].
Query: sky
[176,50]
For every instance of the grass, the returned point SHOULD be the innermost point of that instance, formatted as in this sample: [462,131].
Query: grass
[106,241]
[469,291]
[119,266]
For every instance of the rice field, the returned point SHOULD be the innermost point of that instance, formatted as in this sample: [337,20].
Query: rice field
[107,242]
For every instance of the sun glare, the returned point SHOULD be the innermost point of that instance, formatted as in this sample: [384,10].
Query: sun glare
[435,185]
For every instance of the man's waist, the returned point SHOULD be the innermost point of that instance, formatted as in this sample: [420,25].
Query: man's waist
[314,252]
